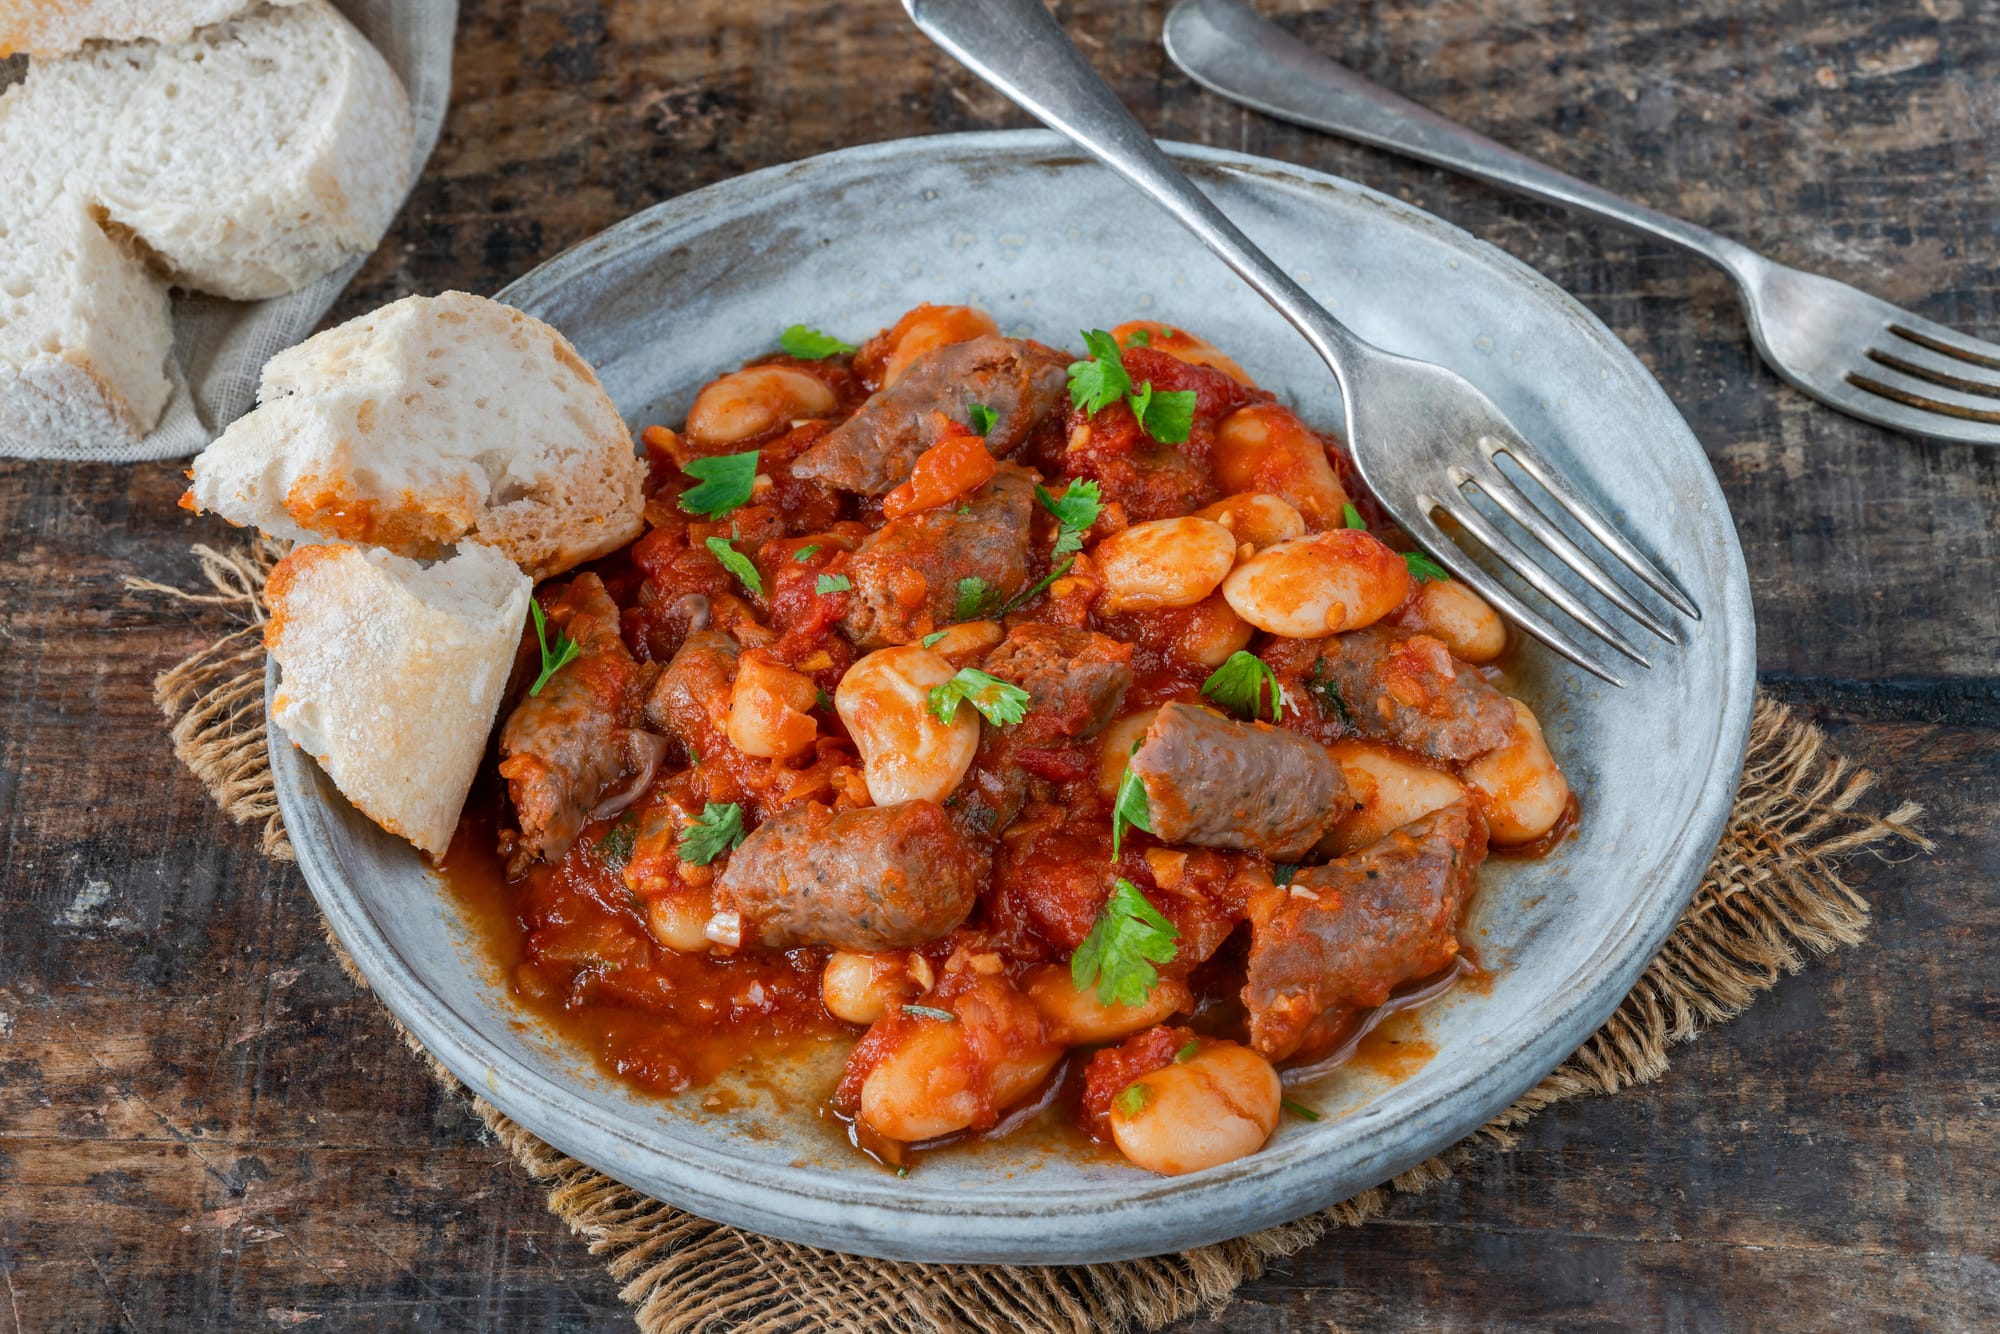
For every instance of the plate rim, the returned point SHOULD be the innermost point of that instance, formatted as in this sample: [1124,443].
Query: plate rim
[871,1219]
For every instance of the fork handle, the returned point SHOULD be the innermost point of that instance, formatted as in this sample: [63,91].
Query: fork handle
[1225,47]
[1017,46]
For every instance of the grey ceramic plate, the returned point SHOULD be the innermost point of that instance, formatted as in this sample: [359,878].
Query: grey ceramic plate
[1016,223]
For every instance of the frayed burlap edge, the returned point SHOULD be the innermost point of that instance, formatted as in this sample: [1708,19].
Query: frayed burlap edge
[1771,898]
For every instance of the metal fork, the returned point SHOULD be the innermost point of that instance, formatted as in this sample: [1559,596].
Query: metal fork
[1847,349]
[1419,434]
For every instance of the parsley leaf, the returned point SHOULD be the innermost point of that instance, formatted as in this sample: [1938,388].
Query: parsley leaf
[719,829]
[1139,338]
[1282,873]
[976,597]
[804,554]
[833,583]
[1328,691]
[931,1012]
[1238,685]
[737,564]
[554,656]
[1139,400]
[982,418]
[1132,1099]
[615,848]
[1167,416]
[1001,703]
[1080,506]
[1095,385]
[1130,807]
[1189,1052]
[930,640]
[1423,568]
[1118,955]
[810,344]
[1298,1109]
[1353,517]
[725,483]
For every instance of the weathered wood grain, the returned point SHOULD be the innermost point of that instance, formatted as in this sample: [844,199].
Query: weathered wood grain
[203,1124]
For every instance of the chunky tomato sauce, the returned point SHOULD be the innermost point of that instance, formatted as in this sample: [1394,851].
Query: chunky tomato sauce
[689,854]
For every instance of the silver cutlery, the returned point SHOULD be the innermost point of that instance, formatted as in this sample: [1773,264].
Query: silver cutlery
[1845,348]
[1419,434]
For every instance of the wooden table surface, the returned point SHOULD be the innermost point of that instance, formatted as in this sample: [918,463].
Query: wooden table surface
[204,1125]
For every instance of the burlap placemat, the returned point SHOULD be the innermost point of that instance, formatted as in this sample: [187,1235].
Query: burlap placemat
[1772,897]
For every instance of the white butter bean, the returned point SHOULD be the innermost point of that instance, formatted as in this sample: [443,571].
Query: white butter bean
[1338,580]
[1163,563]
[906,753]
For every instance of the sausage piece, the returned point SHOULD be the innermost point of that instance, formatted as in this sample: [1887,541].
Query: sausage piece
[562,748]
[872,452]
[1075,679]
[1220,783]
[690,701]
[1405,688]
[872,878]
[1342,936]
[906,574]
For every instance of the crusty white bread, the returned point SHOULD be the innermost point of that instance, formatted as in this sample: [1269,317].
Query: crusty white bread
[428,421]
[45,28]
[251,159]
[83,333]
[390,674]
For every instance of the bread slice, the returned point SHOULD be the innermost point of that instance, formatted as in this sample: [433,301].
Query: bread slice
[45,28]
[390,674]
[251,159]
[84,339]
[428,421]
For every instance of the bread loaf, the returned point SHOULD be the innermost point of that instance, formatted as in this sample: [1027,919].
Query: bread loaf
[45,28]
[390,674]
[430,421]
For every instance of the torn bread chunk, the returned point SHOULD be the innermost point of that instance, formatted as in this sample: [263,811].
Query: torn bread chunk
[431,420]
[84,339]
[45,28]
[391,672]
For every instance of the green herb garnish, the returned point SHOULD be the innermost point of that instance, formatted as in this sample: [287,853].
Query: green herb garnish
[1130,806]
[804,554]
[1282,873]
[615,848]
[1329,691]
[1001,703]
[983,418]
[1353,517]
[930,640]
[719,829]
[1078,508]
[810,344]
[1238,685]
[1189,1052]
[931,1012]
[832,583]
[554,656]
[1423,568]
[725,482]
[1095,385]
[1118,955]
[1132,1099]
[1298,1109]
[737,564]
[976,598]
[1139,338]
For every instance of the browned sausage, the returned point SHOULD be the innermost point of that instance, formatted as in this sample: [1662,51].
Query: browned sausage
[562,748]
[1220,783]
[691,698]
[1395,686]
[873,878]
[1342,936]
[1074,679]
[872,451]
[906,574]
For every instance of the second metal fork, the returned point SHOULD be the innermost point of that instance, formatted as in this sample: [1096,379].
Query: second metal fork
[1847,349]
[1419,434]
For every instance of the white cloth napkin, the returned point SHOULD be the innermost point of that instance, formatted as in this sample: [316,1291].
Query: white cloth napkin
[221,346]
